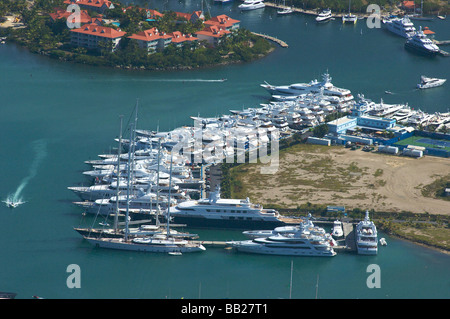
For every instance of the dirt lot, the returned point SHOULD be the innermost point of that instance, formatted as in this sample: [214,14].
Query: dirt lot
[352,178]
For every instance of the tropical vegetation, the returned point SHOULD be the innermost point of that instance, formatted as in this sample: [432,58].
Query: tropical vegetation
[46,37]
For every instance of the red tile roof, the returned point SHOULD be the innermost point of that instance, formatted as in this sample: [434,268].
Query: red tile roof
[91,3]
[408,4]
[213,31]
[178,37]
[100,31]
[63,14]
[149,35]
[222,21]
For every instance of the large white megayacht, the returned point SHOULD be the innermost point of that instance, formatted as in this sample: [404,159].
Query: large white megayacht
[326,87]
[400,26]
[301,240]
[366,237]
[224,213]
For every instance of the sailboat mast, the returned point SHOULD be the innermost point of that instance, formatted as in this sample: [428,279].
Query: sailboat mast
[131,151]
[128,183]
[116,216]
[157,182]
[170,188]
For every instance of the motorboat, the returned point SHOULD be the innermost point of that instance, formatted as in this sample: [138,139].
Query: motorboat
[337,229]
[420,43]
[400,26]
[426,82]
[252,5]
[324,16]
[366,237]
[383,241]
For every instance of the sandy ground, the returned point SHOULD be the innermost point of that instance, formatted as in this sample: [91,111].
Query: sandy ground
[354,179]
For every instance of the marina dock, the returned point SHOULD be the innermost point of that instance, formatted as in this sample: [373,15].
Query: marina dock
[273,39]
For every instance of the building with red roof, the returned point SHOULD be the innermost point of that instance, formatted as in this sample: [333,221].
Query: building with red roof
[192,17]
[179,39]
[96,5]
[152,40]
[63,14]
[408,5]
[223,21]
[212,34]
[91,35]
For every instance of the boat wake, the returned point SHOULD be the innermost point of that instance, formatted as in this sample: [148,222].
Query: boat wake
[186,80]
[15,199]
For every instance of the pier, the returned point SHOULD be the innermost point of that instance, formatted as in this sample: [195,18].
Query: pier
[309,12]
[273,39]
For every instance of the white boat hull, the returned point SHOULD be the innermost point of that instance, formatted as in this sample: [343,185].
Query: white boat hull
[251,247]
[120,244]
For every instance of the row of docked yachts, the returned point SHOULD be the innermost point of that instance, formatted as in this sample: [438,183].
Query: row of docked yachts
[306,239]
[402,113]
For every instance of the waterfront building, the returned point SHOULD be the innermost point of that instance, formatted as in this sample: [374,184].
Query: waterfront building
[374,122]
[180,39]
[212,34]
[346,123]
[92,35]
[99,6]
[341,125]
[152,40]
[223,21]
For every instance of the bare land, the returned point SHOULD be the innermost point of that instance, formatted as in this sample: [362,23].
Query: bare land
[350,178]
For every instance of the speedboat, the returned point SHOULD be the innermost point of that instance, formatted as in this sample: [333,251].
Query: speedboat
[252,5]
[426,82]
[420,43]
[366,237]
[337,229]
[324,16]
[400,26]
[383,241]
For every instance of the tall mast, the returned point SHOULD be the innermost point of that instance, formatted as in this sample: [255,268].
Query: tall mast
[157,183]
[131,151]
[116,216]
[170,188]
[128,183]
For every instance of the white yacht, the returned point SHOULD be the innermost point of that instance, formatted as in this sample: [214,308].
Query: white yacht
[297,89]
[426,82]
[337,229]
[420,43]
[366,237]
[252,5]
[224,213]
[324,16]
[297,241]
[400,26]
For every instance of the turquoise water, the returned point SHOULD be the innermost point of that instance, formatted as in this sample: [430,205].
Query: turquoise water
[72,113]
